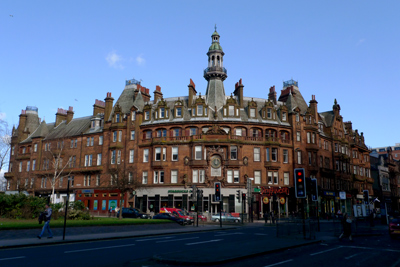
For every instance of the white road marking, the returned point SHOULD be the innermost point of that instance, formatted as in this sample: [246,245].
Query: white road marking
[89,249]
[382,249]
[152,239]
[282,262]
[14,258]
[324,251]
[209,241]
[173,240]
[238,233]
[349,257]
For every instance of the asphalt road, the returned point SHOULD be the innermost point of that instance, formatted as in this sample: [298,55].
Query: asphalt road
[130,250]
[364,251]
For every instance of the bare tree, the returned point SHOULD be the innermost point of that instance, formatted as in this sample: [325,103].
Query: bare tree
[55,161]
[5,145]
[125,181]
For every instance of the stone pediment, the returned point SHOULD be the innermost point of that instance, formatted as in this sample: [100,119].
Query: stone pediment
[216,129]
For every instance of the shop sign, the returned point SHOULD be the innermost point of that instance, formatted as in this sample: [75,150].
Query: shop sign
[265,200]
[348,195]
[342,195]
[328,193]
[177,191]
[274,190]
[282,200]
[87,191]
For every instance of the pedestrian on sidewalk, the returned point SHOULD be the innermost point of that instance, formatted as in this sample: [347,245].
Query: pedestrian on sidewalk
[109,212]
[266,217]
[272,217]
[346,223]
[46,225]
[116,211]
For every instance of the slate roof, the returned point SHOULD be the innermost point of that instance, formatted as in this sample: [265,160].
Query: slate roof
[126,100]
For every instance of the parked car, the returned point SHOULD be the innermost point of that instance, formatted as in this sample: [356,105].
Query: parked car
[169,216]
[226,217]
[178,213]
[394,227]
[133,213]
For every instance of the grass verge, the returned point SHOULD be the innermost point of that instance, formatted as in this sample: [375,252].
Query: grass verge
[8,224]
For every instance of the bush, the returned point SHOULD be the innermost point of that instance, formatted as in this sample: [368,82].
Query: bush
[20,206]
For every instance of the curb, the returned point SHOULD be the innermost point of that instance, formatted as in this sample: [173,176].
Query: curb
[56,242]
[159,258]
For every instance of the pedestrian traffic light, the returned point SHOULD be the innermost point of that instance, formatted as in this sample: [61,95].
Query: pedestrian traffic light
[244,197]
[366,196]
[238,195]
[217,187]
[314,189]
[300,183]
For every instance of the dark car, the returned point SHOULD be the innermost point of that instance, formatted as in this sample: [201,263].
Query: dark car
[133,213]
[394,227]
[169,216]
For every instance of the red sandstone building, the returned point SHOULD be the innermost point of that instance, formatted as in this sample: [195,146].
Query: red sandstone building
[166,145]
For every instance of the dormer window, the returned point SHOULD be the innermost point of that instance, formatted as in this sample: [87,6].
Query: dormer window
[200,110]
[297,117]
[117,117]
[252,113]
[284,116]
[147,115]
[162,113]
[269,113]
[133,116]
[231,111]
[178,112]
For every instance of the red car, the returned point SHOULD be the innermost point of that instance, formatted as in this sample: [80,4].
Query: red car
[394,227]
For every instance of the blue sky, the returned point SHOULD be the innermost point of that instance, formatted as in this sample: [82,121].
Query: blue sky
[69,53]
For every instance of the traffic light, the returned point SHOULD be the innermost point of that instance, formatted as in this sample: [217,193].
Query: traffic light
[314,189]
[238,195]
[300,183]
[217,187]
[194,193]
[244,197]
[366,196]
[199,194]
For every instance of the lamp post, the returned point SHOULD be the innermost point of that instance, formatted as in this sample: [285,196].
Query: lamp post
[66,209]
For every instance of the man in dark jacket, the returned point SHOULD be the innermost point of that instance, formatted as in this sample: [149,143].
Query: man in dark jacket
[46,225]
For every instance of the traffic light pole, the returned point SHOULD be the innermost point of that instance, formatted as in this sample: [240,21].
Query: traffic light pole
[220,213]
[304,219]
[319,228]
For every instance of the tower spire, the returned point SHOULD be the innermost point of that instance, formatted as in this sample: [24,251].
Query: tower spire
[215,73]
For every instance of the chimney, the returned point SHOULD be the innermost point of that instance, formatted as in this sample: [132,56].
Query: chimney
[157,94]
[239,92]
[22,125]
[70,114]
[192,92]
[108,107]
[272,94]
[145,93]
[98,107]
[349,126]
[314,108]
[61,116]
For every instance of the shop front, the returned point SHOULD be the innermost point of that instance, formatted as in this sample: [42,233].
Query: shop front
[327,204]
[272,199]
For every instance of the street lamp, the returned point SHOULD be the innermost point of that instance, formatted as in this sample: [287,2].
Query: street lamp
[66,208]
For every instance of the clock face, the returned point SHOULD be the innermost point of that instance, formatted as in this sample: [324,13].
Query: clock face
[215,162]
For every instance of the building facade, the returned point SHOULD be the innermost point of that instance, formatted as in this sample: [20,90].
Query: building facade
[162,147]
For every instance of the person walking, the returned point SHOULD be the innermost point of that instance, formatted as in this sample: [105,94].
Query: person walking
[272,217]
[266,217]
[116,211]
[346,223]
[109,211]
[46,225]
